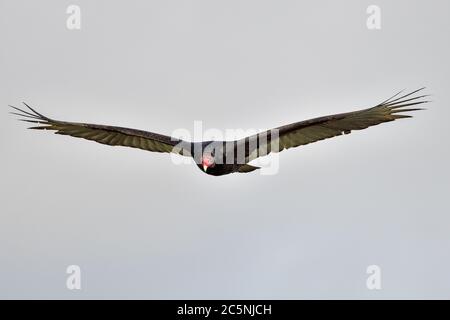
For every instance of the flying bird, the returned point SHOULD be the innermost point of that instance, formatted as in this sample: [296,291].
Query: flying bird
[223,157]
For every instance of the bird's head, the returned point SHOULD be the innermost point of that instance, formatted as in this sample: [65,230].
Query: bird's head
[208,161]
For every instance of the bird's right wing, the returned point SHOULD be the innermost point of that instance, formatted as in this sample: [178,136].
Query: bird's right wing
[110,135]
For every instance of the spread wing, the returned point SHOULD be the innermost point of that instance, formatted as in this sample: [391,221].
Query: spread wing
[305,132]
[110,135]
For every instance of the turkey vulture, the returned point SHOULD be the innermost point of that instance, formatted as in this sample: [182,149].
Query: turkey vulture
[223,157]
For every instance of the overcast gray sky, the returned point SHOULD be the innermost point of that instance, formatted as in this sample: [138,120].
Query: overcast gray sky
[141,227]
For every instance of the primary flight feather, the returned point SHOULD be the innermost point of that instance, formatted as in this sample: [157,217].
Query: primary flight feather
[224,157]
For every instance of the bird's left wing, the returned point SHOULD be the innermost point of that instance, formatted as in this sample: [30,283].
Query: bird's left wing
[309,131]
[109,135]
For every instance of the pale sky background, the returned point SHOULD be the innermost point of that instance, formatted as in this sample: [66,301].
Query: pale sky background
[141,227]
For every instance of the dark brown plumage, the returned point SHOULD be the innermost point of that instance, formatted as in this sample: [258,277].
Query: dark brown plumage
[223,157]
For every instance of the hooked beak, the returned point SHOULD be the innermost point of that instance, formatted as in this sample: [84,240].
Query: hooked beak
[205,168]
